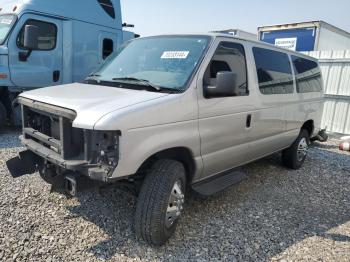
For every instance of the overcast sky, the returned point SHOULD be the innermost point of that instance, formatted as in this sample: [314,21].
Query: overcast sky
[153,17]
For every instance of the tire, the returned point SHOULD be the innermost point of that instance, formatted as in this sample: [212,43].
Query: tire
[294,156]
[153,221]
[3,115]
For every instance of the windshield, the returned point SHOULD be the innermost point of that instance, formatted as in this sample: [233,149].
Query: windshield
[166,61]
[6,22]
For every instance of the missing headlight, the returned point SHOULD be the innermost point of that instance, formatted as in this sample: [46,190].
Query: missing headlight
[108,149]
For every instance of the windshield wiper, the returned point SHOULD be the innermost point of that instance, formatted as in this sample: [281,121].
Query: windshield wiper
[141,81]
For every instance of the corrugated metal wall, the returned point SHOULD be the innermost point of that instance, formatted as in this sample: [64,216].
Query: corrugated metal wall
[335,66]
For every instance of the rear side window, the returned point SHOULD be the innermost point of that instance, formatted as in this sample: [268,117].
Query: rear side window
[308,75]
[107,48]
[274,72]
[47,35]
[229,57]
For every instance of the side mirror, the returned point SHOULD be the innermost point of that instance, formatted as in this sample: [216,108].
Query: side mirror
[30,41]
[226,85]
[31,37]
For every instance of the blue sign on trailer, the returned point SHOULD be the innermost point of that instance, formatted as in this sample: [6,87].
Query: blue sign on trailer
[299,39]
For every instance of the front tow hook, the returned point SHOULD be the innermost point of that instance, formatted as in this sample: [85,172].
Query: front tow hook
[70,185]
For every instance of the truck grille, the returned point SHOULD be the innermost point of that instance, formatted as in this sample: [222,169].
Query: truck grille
[52,127]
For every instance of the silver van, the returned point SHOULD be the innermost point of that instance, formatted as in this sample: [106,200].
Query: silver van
[175,112]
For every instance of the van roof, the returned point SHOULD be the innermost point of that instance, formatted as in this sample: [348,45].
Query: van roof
[69,9]
[227,36]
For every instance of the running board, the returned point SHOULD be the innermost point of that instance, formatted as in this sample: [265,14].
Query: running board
[219,183]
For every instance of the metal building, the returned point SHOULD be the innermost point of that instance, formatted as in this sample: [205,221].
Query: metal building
[335,66]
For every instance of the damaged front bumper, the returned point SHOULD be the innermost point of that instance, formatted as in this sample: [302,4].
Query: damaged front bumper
[53,157]
[37,155]
[49,134]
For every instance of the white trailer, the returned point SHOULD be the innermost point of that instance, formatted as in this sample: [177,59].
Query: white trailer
[239,33]
[306,36]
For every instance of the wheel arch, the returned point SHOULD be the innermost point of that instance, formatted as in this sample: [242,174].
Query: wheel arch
[182,154]
[309,126]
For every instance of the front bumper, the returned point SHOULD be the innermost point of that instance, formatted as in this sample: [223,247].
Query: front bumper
[92,171]
[49,134]
[53,157]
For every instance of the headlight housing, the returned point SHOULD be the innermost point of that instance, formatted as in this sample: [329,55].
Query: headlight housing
[107,148]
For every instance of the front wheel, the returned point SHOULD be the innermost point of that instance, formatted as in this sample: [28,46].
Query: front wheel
[160,202]
[294,156]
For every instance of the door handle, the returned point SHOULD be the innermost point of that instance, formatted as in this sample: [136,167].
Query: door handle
[249,121]
[56,76]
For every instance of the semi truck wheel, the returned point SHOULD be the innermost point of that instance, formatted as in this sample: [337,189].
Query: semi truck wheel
[160,202]
[294,156]
[3,115]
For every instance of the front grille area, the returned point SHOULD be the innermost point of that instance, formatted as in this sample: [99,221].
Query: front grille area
[52,127]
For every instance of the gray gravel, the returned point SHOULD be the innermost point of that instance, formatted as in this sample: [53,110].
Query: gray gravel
[276,214]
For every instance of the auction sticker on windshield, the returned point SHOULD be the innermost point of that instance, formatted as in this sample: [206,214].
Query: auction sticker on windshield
[175,54]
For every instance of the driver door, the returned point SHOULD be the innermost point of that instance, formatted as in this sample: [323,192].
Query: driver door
[225,122]
[44,66]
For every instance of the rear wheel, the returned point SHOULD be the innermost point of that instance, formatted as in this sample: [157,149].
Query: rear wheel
[294,156]
[160,202]
[3,115]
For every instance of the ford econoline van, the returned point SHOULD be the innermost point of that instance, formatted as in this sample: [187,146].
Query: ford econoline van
[172,112]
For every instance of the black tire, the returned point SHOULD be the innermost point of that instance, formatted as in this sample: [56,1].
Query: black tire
[3,115]
[290,156]
[153,201]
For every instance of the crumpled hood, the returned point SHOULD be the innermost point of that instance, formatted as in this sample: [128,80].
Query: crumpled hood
[90,102]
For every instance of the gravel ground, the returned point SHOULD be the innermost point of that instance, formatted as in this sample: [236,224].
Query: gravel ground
[276,214]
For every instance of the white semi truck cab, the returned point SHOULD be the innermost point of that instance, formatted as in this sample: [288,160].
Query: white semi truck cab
[45,43]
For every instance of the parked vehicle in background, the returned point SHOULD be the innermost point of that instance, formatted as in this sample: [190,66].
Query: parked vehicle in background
[306,36]
[169,112]
[45,43]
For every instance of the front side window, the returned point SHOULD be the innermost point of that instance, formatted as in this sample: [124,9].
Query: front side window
[166,61]
[47,35]
[308,75]
[6,23]
[229,57]
[274,72]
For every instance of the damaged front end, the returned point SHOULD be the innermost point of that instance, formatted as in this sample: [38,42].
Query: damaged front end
[57,149]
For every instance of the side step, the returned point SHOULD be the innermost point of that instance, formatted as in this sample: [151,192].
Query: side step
[219,183]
